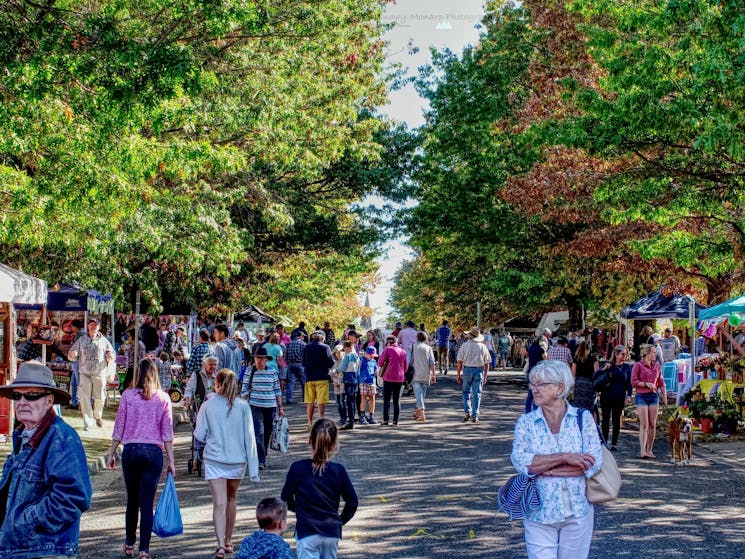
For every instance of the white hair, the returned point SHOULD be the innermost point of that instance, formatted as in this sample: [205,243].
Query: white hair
[554,372]
[208,358]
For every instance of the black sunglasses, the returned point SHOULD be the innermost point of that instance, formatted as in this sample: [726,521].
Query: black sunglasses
[28,396]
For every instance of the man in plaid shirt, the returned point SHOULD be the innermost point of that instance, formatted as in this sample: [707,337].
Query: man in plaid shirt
[560,352]
[198,353]
[295,371]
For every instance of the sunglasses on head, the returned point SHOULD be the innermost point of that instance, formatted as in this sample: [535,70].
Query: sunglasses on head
[28,396]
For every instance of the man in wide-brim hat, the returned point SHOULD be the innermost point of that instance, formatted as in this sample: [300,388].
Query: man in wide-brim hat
[473,365]
[46,476]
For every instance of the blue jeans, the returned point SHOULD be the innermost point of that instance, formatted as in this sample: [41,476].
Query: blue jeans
[350,401]
[341,407]
[420,391]
[295,373]
[74,379]
[317,547]
[142,465]
[472,377]
[493,359]
[263,423]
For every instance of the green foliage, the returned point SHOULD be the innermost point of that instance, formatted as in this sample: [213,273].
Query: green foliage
[186,149]
[582,152]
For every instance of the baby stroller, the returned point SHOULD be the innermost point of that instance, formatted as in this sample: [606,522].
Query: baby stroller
[197,447]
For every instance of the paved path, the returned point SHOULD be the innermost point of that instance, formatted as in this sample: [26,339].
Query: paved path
[427,491]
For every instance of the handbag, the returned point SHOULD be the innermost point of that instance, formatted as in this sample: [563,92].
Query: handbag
[409,374]
[167,518]
[606,483]
[602,379]
[518,496]
[280,440]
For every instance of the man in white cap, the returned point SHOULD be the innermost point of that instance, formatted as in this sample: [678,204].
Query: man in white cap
[94,354]
[472,368]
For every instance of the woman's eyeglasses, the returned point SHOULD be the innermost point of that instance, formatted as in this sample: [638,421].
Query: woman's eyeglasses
[28,396]
[538,385]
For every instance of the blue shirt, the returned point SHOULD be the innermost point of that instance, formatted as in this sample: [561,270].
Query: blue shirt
[533,437]
[264,545]
[349,364]
[264,388]
[368,367]
[443,336]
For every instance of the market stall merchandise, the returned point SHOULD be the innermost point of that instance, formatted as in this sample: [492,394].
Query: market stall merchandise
[15,288]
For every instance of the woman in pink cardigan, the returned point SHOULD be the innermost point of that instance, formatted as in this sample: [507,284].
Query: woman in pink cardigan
[395,361]
[646,378]
[145,425]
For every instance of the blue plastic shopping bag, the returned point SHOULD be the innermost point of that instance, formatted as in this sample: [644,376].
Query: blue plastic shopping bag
[167,519]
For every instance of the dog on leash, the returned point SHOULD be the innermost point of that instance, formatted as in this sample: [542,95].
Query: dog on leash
[681,440]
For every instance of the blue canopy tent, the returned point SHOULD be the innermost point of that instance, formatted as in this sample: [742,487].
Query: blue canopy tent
[658,305]
[73,298]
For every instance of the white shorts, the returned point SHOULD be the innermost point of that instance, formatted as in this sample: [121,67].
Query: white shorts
[218,470]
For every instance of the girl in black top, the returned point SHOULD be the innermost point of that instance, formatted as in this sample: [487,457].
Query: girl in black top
[313,489]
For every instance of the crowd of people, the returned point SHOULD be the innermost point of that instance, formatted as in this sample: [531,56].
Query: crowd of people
[238,382]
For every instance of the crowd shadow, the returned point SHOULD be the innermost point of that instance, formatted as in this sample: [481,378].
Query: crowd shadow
[427,490]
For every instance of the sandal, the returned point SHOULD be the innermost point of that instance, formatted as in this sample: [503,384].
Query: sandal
[229,548]
[220,553]
[129,550]
[143,555]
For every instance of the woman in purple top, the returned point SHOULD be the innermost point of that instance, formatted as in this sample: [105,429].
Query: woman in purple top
[145,425]
[395,361]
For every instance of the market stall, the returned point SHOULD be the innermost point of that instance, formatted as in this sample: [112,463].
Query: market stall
[67,310]
[15,288]
[658,305]
[253,318]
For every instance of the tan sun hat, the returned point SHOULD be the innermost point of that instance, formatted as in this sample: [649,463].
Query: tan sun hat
[475,334]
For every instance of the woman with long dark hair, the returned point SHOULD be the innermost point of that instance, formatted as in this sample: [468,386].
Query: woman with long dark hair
[144,424]
[613,382]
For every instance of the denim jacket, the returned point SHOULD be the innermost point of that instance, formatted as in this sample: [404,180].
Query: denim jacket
[48,487]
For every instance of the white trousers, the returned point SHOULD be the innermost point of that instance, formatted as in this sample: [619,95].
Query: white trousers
[91,386]
[569,539]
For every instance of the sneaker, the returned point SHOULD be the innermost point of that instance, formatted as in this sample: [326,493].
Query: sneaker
[262,466]
[475,420]
[347,427]
[385,423]
[371,420]
[363,420]
[467,417]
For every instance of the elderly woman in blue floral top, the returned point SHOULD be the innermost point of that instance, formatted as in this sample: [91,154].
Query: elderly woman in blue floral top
[550,445]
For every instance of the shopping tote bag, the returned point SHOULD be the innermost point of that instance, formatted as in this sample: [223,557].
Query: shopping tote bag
[167,519]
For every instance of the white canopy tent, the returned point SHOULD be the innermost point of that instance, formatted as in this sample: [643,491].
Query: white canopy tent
[17,287]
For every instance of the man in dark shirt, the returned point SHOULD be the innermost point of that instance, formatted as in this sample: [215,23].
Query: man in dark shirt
[149,335]
[301,329]
[317,362]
